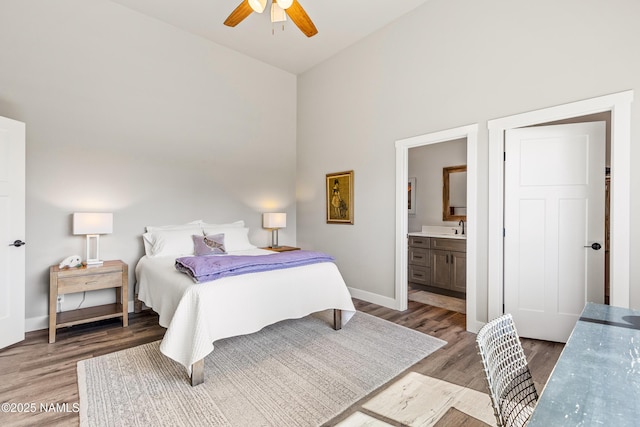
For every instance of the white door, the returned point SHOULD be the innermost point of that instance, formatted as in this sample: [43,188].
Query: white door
[12,229]
[554,212]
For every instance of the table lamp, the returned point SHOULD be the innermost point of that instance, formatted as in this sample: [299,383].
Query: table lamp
[274,221]
[93,225]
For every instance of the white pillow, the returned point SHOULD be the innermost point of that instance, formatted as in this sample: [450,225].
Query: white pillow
[197,227]
[231,224]
[172,242]
[147,239]
[235,238]
[151,228]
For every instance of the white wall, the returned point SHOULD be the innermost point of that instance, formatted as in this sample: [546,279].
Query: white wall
[129,115]
[426,164]
[446,64]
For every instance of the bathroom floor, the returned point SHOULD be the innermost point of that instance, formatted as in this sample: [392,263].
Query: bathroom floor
[450,303]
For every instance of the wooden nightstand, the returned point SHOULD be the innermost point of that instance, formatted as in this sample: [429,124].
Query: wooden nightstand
[112,274]
[282,249]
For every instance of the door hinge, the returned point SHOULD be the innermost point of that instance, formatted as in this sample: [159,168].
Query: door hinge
[504,156]
[504,232]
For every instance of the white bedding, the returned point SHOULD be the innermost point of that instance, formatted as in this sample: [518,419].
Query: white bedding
[196,315]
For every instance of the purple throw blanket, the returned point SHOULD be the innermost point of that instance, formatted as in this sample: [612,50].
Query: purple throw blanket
[207,268]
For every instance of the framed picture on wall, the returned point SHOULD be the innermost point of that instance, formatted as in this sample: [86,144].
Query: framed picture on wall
[340,197]
[411,196]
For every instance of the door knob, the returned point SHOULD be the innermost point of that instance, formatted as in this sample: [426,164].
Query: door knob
[594,246]
[17,243]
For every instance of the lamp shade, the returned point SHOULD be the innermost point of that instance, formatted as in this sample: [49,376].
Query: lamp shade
[274,220]
[258,5]
[92,223]
[285,4]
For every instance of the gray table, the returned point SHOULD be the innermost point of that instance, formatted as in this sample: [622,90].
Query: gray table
[596,381]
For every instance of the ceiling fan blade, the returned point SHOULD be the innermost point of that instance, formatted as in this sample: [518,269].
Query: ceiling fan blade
[301,19]
[242,11]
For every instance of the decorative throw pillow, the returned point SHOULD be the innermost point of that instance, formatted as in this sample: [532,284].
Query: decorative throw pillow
[211,244]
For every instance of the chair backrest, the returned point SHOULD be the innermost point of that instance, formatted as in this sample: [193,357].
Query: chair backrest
[511,387]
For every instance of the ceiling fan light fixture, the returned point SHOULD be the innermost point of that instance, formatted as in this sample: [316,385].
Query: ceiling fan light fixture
[281,11]
[277,13]
[285,4]
[258,5]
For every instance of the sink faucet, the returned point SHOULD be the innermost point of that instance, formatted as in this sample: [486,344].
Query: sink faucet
[462,224]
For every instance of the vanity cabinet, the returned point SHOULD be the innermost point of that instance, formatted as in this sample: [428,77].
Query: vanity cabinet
[438,262]
[419,263]
[448,260]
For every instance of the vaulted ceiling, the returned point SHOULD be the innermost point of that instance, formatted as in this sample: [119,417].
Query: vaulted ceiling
[340,23]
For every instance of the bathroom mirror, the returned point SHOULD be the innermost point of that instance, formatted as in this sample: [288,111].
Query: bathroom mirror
[454,193]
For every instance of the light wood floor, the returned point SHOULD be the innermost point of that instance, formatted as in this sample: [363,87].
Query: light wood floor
[34,371]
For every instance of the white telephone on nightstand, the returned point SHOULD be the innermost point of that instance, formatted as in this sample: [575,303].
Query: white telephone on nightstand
[71,261]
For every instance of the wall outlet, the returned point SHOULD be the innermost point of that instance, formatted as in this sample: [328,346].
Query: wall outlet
[60,298]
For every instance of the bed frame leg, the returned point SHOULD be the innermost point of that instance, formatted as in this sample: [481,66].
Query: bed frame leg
[197,373]
[137,304]
[337,319]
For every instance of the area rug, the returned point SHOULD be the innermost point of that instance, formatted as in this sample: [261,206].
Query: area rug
[419,400]
[294,373]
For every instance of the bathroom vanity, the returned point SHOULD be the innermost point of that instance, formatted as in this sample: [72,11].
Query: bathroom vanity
[438,258]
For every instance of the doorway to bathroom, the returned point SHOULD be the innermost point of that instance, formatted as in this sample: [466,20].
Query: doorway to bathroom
[469,134]
[436,224]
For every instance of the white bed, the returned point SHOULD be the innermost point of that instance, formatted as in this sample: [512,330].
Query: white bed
[196,315]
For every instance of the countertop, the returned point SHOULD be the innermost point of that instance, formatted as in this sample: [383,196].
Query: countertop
[440,231]
[438,235]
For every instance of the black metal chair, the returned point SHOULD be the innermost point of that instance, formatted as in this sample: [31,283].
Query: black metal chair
[513,394]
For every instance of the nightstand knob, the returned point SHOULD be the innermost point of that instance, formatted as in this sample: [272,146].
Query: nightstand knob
[17,243]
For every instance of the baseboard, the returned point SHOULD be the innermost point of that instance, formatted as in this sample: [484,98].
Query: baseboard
[374,298]
[42,322]
[36,323]
[474,326]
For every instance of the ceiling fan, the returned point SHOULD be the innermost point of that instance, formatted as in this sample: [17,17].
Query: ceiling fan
[291,7]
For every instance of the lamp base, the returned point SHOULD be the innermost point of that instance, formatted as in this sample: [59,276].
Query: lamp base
[274,238]
[93,251]
[93,263]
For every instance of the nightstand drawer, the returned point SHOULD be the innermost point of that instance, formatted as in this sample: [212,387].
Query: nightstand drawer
[89,282]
